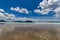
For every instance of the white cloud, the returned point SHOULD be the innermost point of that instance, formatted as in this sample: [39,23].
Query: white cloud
[1,10]
[21,10]
[57,11]
[45,11]
[5,15]
[43,4]
[2,15]
[37,11]
[16,9]
[56,15]
[49,5]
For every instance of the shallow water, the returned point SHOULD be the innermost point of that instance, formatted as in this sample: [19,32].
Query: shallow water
[51,27]
[30,25]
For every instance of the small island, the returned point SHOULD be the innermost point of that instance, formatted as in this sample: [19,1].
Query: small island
[2,21]
[27,21]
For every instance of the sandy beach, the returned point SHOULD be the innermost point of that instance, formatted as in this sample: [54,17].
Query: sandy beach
[28,31]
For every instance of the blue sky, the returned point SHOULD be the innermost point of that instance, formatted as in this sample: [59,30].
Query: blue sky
[28,4]
[30,8]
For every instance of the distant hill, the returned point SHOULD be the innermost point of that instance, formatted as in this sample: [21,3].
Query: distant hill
[28,21]
[25,21]
[2,21]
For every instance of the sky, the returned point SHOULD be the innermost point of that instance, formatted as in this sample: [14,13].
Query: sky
[29,9]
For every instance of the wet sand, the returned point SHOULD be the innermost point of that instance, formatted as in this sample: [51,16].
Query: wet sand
[30,31]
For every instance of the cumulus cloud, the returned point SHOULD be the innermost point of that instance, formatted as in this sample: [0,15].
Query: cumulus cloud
[45,11]
[49,5]
[1,10]
[21,10]
[10,16]
[6,15]
[57,11]
[2,15]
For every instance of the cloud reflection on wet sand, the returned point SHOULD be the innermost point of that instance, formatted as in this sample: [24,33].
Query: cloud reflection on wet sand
[30,32]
